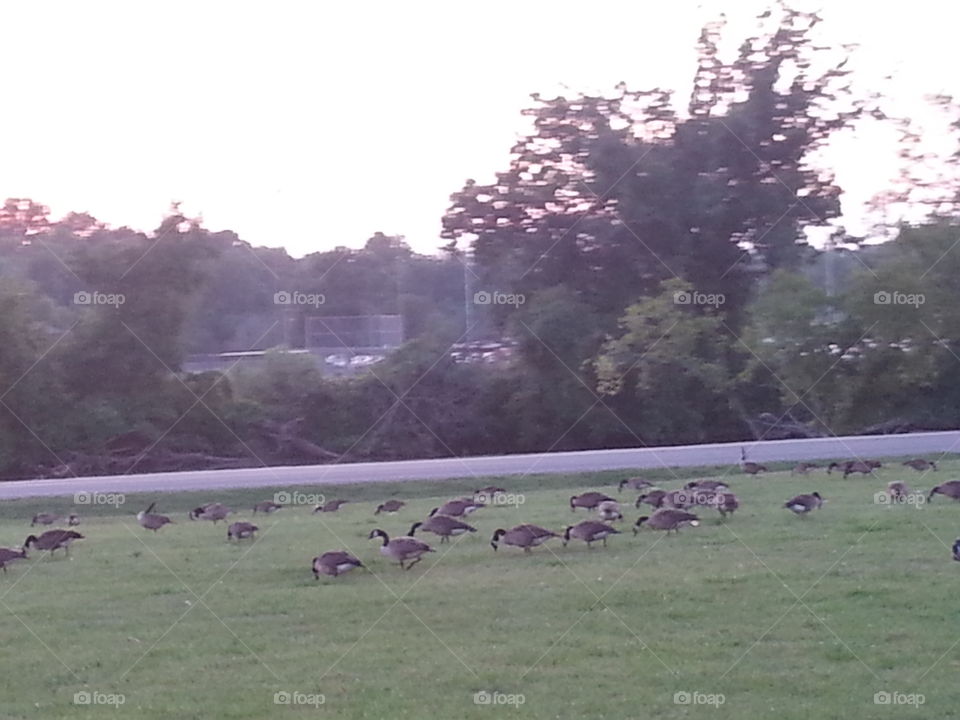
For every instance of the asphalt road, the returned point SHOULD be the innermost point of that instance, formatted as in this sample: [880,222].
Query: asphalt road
[918,444]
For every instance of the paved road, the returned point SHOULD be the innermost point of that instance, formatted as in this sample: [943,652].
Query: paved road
[919,444]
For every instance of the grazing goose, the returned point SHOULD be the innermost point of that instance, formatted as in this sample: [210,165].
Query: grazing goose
[390,506]
[667,519]
[802,504]
[240,530]
[920,464]
[331,506]
[726,503]
[803,468]
[865,467]
[751,468]
[401,549]
[707,485]
[52,519]
[526,536]
[151,521]
[588,500]
[488,494]
[680,499]
[9,555]
[442,525]
[489,490]
[589,531]
[609,510]
[654,498]
[267,507]
[897,491]
[635,483]
[334,563]
[53,540]
[211,511]
[956,549]
[950,489]
[461,507]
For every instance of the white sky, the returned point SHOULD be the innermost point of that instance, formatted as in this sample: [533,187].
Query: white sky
[314,124]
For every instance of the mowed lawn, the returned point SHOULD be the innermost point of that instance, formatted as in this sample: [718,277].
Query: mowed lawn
[784,617]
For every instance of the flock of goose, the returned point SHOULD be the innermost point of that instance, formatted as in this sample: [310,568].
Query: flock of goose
[671,510]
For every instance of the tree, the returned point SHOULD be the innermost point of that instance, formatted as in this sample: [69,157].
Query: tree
[612,195]
[670,370]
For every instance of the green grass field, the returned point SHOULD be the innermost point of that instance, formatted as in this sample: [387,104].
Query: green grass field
[782,616]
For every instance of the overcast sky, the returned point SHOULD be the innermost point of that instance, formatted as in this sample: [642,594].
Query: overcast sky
[313,124]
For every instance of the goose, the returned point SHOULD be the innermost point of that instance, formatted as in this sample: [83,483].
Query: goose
[9,555]
[487,494]
[489,490]
[151,521]
[802,504]
[522,536]
[897,491]
[53,540]
[751,468]
[331,506]
[401,549]
[461,507]
[726,503]
[240,530]
[52,519]
[680,499]
[609,510]
[849,467]
[442,525]
[267,507]
[707,485]
[211,511]
[589,531]
[956,549]
[803,468]
[667,519]
[654,498]
[390,506]
[635,483]
[334,563]
[588,500]
[950,489]
[921,464]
